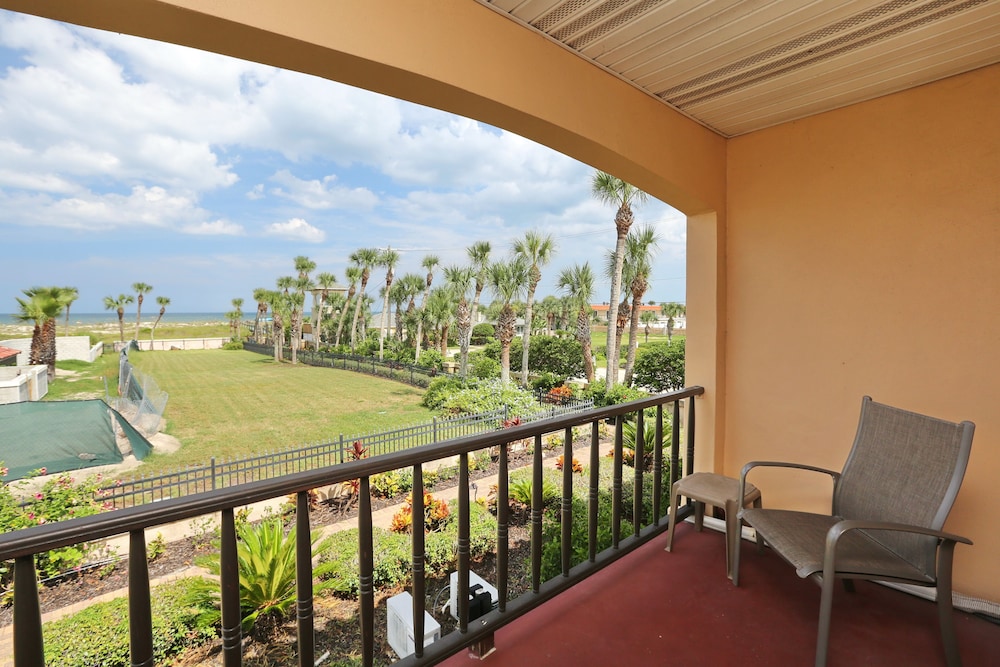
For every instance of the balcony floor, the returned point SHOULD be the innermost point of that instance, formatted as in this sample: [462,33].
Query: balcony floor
[657,608]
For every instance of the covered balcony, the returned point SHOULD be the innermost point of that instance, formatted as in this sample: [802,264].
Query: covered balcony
[838,165]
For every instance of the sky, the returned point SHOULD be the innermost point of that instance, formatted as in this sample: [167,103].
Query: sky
[125,160]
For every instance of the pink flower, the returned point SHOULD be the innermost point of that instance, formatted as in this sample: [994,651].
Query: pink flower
[31,515]
[3,471]
[41,471]
[38,496]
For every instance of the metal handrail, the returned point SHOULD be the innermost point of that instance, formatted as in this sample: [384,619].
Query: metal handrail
[22,545]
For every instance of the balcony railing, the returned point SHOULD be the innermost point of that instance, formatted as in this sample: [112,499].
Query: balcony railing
[22,546]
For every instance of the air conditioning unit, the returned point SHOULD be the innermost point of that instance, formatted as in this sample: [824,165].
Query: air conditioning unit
[400,625]
[474,580]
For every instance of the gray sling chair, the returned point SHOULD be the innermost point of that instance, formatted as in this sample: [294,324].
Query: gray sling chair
[889,504]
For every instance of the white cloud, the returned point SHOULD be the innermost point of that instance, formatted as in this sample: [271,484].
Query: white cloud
[256,192]
[214,228]
[322,194]
[296,229]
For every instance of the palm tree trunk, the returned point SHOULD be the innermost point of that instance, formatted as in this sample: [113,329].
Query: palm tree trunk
[616,285]
[121,323]
[526,338]
[583,335]
[464,320]
[633,339]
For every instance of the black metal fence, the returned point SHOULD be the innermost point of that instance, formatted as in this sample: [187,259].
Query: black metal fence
[221,474]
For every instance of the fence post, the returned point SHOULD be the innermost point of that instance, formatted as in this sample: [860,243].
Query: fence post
[213,473]
[505,412]
[340,455]
[434,424]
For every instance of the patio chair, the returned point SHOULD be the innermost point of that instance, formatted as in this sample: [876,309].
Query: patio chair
[889,504]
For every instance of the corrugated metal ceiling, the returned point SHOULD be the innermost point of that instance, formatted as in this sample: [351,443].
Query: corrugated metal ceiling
[739,66]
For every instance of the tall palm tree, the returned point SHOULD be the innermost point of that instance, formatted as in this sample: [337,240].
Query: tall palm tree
[409,286]
[609,189]
[671,310]
[325,281]
[458,279]
[352,274]
[140,289]
[429,262]
[43,307]
[536,250]
[282,315]
[366,258]
[508,281]
[296,302]
[236,319]
[640,249]
[260,296]
[440,313]
[276,300]
[387,258]
[550,308]
[647,319]
[163,302]
[479,256]
[118,305]
[70,294]
[577,282]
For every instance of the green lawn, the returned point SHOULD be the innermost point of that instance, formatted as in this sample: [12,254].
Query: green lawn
[231,404]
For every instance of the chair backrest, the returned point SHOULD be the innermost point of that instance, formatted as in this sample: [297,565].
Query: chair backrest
[904,467]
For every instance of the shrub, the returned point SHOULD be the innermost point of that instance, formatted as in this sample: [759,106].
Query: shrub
[484,368]
[98,635]
[267,578]
[233,345]
[391,483]
[491,395]
[483,333]
[547,381]
[598,390]
[660,366]
[436,515]
[431,359]
[440,389]
[560,356]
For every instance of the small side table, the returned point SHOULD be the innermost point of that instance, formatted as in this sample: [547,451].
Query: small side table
[706,488]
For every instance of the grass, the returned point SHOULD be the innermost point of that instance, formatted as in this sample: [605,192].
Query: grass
[85,381]
[231,404]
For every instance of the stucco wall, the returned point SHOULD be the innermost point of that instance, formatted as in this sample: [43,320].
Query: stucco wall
[864,258]
[67,347]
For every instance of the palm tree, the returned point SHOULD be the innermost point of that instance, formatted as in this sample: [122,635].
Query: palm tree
[277,302]
[671,310]
[42,307]
[140,289]
[440,313]
[353,275]
[578,284]
[236,319]
[118,305]
[163,302]
[507,281]
[640,248]
[479,256]
[282,314]
[366,258]
[611,190]
[325,281]
[297,301]
[70,294]
[549,307]
[458,279]
[429,262]
[406,289]
[647,319]
[536,250]
[260,296]
[387,258]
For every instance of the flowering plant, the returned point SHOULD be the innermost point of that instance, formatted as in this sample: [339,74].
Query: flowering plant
[436,514]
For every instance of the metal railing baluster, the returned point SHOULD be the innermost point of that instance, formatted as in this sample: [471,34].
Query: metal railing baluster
[232,634]
[367,564]
[140,617]
[304,582]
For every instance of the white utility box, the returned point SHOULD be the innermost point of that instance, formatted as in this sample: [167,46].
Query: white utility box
[473,580]
[400,625]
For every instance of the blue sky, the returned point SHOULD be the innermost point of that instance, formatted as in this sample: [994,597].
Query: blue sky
[124,160]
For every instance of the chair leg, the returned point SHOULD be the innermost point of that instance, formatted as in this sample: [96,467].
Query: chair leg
[673,516]
[733,537]
[758,503]
[946,616]
[699,515]
[736,554]
[825,611]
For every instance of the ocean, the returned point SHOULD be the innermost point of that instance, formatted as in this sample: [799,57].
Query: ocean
[111,317]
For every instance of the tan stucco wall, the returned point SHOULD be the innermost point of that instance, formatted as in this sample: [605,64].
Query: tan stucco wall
[864,258]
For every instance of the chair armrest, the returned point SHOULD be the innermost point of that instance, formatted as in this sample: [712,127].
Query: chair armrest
[842,527]
[782,464]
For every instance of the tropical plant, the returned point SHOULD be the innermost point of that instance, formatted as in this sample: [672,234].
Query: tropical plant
[140,289]
[429,262]
[236,319]
[609,189]
[387,258]
[162,302]
[535,250]
[118,305]
[296,301]
[266,558]
[458,280]
[365,258]
[436,515]
[259,295]
[70,294]
[630,433]
[672,310]
[479,259]
[325,282]
[42,307]
[578,284]
[647,319]
[640,248]
[353,275]
[507,280]
[562,357]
